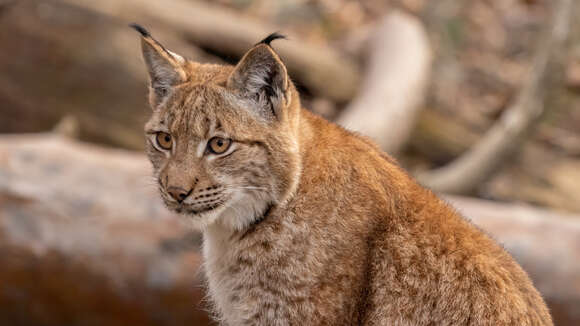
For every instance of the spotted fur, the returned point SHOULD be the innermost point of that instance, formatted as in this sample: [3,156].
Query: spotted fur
[306,223]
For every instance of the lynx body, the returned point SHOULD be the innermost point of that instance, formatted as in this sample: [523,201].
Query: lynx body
[306,223]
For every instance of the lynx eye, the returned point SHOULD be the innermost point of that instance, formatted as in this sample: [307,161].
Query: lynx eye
[218,145]
[164,140]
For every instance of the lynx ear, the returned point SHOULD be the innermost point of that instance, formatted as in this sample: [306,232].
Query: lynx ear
[262,77]
[165,67]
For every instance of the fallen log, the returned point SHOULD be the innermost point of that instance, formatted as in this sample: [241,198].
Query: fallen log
[321,69]
[90,214]
[65,60]
[544,242]
[84,237]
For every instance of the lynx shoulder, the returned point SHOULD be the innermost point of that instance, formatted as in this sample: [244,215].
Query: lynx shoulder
[306,223]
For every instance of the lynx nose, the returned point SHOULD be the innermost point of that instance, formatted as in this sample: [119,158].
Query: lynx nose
[178,193]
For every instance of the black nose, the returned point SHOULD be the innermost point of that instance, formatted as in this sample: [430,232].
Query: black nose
[178,193]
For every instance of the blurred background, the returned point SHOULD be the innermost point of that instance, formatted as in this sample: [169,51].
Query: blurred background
[478,99]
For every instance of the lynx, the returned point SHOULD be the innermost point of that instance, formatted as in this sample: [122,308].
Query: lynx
[306,223]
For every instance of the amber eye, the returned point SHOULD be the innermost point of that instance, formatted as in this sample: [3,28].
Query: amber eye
[164,140]
[218,145]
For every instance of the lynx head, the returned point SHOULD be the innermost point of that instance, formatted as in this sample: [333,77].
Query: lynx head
[222,140]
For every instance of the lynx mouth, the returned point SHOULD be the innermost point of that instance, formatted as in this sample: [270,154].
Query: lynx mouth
[193,209]
[190,210]
[203,210]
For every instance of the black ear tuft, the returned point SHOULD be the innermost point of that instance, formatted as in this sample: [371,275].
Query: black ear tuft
[165,67]
[272,37]
[140,29]
[262,78]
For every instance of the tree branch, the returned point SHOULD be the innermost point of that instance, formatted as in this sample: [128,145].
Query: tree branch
[481,161]
[395,82]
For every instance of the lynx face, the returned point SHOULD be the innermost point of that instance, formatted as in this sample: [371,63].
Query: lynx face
[220,138]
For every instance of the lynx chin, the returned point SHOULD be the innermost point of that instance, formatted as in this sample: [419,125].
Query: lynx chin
[306,223]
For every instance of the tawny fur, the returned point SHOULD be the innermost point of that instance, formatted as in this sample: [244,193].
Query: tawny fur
[314,224]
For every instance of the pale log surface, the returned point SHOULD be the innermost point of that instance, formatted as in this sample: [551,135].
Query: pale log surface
[86,241]
[546,243]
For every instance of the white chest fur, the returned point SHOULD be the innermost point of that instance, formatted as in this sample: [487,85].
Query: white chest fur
[215,252]
[221,260]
